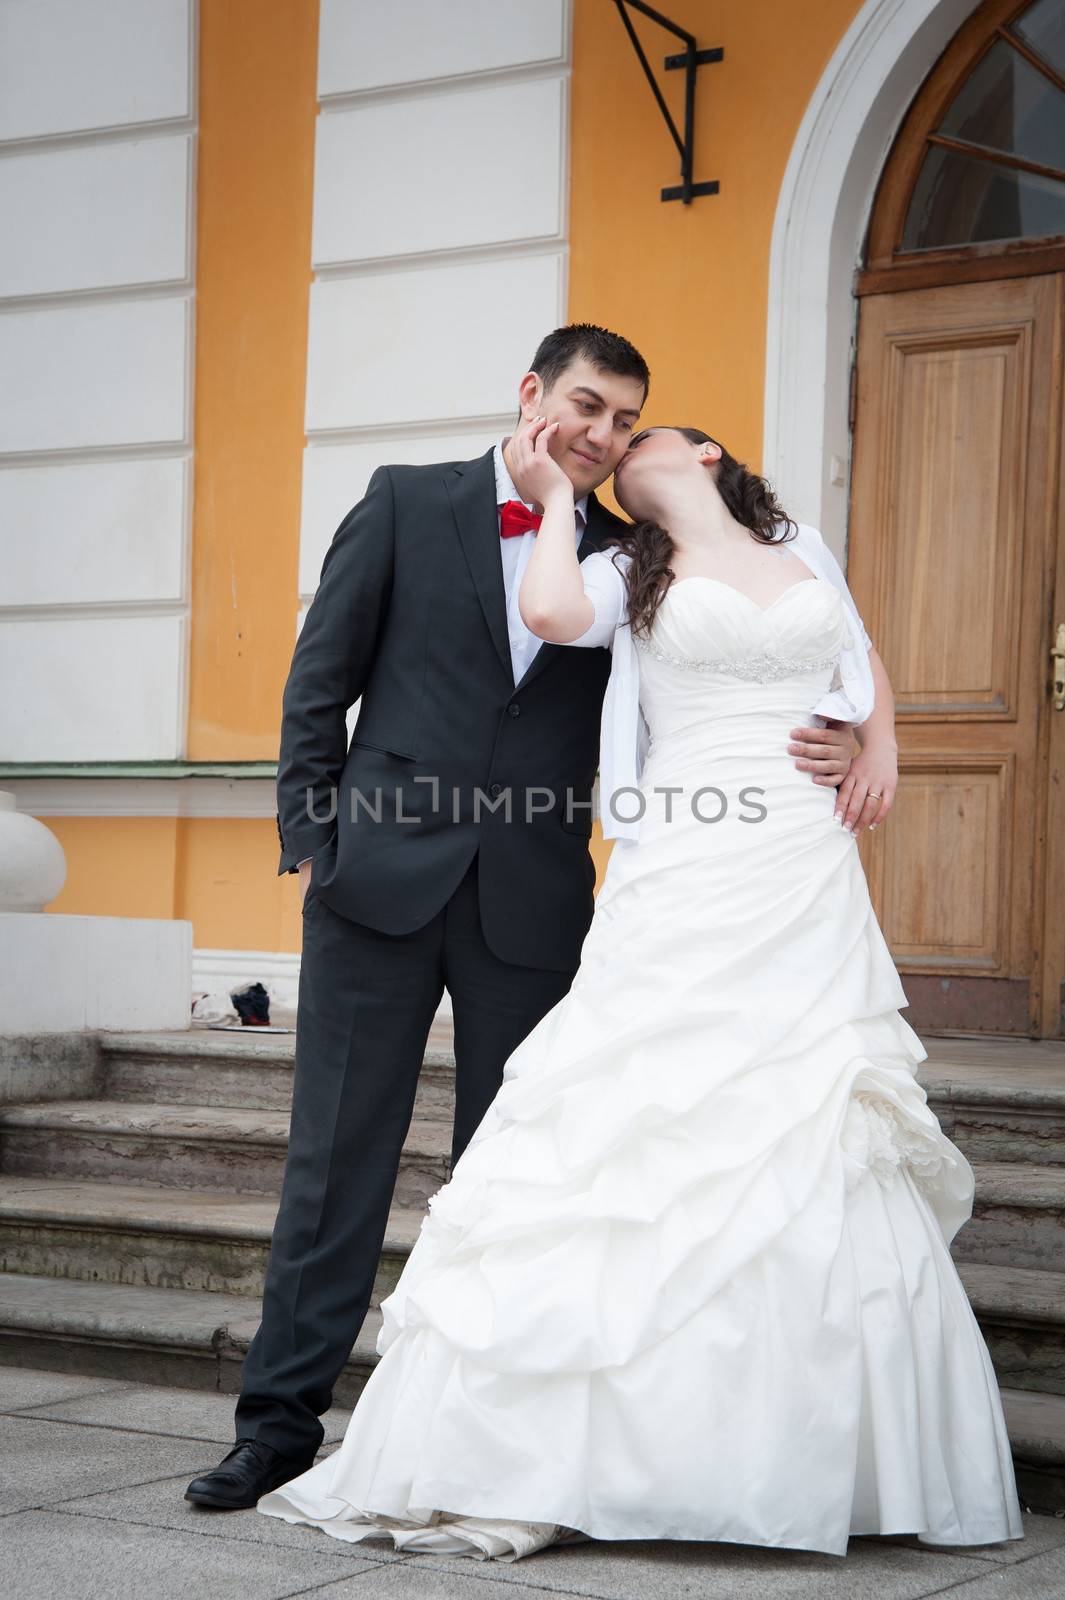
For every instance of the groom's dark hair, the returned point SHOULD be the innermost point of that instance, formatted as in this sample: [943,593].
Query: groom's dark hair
[606,351]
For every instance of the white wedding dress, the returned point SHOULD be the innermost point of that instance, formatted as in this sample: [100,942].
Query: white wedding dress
[690,1278]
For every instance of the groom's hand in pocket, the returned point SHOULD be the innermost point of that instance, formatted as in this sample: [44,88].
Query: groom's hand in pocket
[825,753]
[305,878]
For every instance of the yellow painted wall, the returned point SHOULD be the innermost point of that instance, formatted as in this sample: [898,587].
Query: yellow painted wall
[255,186]
[117,866]
[228,888]
[687,284]
[219,873]
[255,189]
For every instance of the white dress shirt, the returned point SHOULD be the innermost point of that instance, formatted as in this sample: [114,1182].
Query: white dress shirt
[624,737]
[515,553]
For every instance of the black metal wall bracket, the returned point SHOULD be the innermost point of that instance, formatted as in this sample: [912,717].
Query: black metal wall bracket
[688,61]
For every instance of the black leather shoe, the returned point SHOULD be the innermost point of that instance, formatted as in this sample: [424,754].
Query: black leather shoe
[250,1470]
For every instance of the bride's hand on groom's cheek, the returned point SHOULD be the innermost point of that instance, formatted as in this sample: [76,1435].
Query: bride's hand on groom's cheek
[536,474]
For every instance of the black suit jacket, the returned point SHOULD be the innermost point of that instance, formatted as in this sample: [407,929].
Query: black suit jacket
[410,615]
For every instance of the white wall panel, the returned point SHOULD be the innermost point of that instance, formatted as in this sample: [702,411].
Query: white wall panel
[98,380]
[107,374]
[73,65]
[335,478]
[93,532]
[446,342]
[364,44]
[439,173]
[95,216]
[84,689]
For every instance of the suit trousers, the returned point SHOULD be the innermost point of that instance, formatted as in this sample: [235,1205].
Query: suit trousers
[366,1003]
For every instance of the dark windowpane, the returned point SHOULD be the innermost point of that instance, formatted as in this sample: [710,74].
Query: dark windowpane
[1043,28]
[1007,105]
[963,200]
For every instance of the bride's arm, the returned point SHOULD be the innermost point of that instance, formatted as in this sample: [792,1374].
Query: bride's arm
[875,769]
[879,726]
[875,772]
[551,600]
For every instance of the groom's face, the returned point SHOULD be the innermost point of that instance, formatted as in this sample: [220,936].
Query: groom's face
[597,413]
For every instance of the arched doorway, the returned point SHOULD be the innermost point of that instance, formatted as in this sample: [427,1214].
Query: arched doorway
[956,551]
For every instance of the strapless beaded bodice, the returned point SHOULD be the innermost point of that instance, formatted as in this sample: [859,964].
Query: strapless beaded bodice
[714,653]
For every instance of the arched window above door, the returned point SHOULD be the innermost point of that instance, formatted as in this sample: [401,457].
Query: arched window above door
[978,168]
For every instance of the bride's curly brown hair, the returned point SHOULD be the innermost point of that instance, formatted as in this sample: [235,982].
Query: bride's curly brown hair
[748,498]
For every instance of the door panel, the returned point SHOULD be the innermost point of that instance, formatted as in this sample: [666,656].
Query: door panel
[952,545]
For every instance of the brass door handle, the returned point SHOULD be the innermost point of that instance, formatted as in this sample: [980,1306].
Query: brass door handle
[1057,655]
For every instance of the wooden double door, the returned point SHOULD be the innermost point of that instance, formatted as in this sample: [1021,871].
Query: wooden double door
[956,557]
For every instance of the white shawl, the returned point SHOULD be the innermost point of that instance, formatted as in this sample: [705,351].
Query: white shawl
[624,737]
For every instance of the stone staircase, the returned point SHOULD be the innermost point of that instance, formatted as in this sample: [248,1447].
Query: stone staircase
[135,1219]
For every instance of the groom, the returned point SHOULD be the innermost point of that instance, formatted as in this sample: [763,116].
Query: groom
[447,846]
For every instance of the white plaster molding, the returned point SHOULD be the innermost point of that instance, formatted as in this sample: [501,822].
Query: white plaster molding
[75,66]
[97,374]
[470,268]
[503,77]
[61,974]
[91,94]
[461,255]
[95,534]
[91,690]
[427,152]
[399,50]
[222,971]
[821,217]
[71,66]
[145,797]
[443,428]
[69,455]
[82,138]
[358,376]
[335,478]
[94,218]
[90,610]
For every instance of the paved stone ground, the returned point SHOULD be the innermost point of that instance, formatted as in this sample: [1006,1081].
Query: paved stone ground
[92,1474]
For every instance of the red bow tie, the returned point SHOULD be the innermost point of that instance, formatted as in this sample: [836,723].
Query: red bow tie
[515,518]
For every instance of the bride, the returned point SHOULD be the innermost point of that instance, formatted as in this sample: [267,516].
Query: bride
[690,1279]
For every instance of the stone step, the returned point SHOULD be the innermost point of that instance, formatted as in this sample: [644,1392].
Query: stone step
[151,1237]
[1036,1424]
[171,1337]
[190,1147]
[239,1068]
[1000,1100]
[1018,1214]
[1018,1217]
[204,1241]
[1021,1312]
[183,1339]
